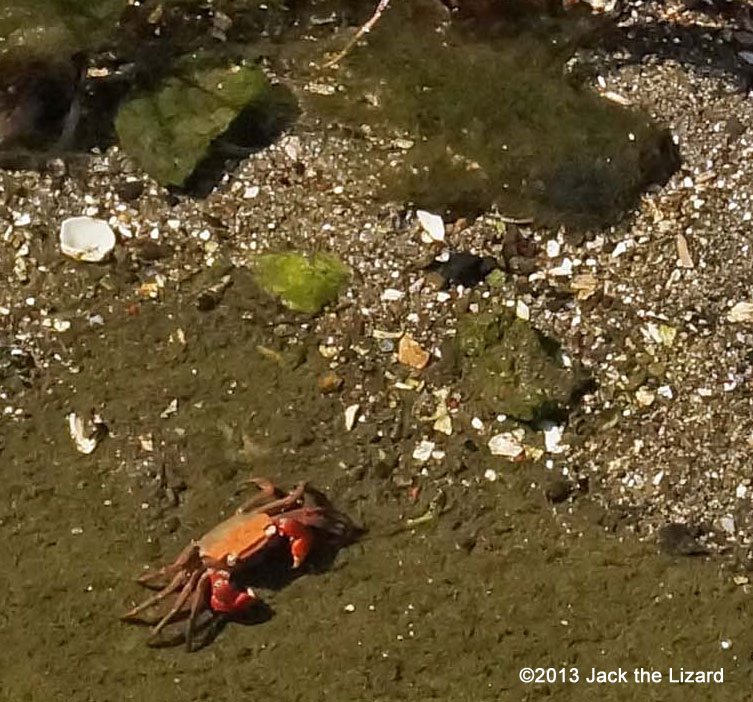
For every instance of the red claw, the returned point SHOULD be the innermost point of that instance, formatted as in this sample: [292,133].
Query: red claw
[225,598]
[301,538]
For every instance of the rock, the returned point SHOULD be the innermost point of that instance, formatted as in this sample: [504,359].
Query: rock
[435,280]
[645,396]
[558,489]
[169,130]
[410,353]
[384,463]
[520,374]
[477,332]
[303,284]
[329,382]
[86,239]
[584,284]
[677,539]
[464,268]
[130,190]
[553,439]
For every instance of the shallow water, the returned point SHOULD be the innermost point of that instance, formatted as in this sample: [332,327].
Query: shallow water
[495,120]
[450,609]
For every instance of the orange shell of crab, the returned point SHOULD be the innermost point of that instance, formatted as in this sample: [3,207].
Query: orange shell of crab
[240,536]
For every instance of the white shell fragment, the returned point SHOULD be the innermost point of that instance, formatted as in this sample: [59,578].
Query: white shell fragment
[660,333]
[584,285]
[392,295]
[85,441]
[522,310]
[645,396]
[351,414]
[741,312]
[423,451]
[171,409]
[665,391]
[443,424]
[728,524]
[86,239]
[432,225]
[553,439]
[685,260]
[505,445]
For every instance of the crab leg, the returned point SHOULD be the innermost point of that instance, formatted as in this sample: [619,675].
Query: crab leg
[179,602]
[179,564]
[174,584]
[276,505]
[267,493]
[199,596]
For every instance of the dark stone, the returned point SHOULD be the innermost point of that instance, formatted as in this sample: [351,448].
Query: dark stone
[130,190]
[679,540]
[149,250]
[734,128]
[384,463]
[464,268]
[558,489]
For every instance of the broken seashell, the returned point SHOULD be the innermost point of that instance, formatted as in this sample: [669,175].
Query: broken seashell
[432,225]
[86,239]
[85,441]
[351,414]
[741,312]
[505,445]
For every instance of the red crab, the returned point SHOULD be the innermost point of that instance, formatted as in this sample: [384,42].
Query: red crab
[201,574]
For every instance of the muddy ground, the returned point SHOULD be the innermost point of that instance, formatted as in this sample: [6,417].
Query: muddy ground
[470,567]
[450,609]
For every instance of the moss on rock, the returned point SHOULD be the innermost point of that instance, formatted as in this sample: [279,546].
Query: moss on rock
[169,130]
[513,369]
[303,284]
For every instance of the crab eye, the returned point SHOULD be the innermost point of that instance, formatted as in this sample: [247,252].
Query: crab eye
[231,559]
[271,530]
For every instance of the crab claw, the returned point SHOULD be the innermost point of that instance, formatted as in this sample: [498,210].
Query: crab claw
[225,597]
[301,538]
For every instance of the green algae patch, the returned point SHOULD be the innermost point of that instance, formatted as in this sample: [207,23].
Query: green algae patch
[304,284]
[513,369]
[493,120]
[49,28]
[169,130]
[477,332]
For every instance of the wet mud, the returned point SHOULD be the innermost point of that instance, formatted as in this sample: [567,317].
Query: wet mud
[499,578]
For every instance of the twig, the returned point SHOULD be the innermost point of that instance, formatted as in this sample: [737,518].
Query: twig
[365,29]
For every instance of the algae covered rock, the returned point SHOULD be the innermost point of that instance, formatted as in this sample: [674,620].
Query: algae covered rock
[496,117]
[56,28]
[476,332]
[170,129]
[304,284]
[518,372]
